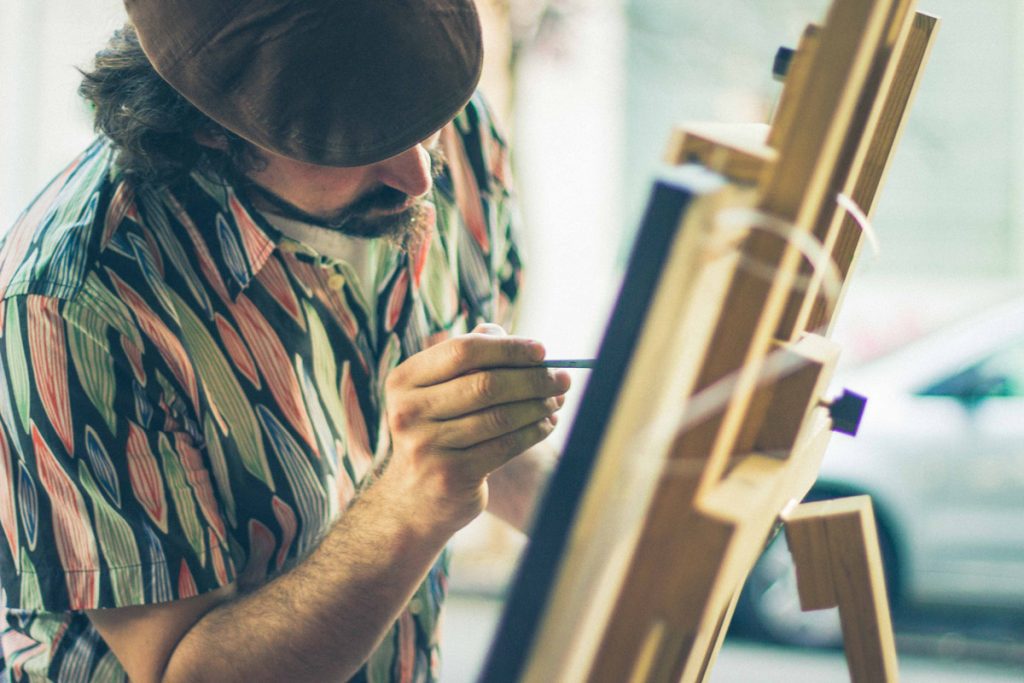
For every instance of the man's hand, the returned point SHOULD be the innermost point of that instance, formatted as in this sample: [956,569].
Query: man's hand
[457,412]
[462,409]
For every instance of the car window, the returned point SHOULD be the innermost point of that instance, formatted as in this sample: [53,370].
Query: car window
[999,375]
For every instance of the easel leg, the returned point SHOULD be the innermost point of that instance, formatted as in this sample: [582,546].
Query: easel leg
[720,631]
[838,564]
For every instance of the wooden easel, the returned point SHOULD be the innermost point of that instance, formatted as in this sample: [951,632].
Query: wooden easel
[704,422]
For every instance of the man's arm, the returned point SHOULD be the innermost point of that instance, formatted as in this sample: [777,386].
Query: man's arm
[457,412]
[318,622]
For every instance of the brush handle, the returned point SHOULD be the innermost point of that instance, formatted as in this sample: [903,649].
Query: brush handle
[570,363]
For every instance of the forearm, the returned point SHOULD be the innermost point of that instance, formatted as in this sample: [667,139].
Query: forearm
[456,412]
[321,620]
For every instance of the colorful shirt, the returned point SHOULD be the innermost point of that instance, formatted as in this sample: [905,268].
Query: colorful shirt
[188,398]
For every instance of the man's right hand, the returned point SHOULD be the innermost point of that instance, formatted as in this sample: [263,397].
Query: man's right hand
[461,409]
[457,411]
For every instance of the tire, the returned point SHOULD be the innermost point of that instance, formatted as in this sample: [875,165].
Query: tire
[769,606]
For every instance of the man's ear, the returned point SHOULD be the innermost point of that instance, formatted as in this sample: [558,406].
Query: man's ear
[211,140]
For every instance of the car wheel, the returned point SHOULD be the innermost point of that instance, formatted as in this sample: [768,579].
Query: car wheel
[769,606]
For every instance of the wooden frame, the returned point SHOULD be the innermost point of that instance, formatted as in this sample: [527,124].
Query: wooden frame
[838,563]
[703,420]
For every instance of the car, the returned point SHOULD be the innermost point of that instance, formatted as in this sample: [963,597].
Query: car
[940,450]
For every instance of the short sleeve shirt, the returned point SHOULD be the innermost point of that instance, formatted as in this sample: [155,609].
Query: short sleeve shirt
[189,398]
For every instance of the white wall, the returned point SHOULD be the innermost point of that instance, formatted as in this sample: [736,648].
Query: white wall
[43,120]
[568,146]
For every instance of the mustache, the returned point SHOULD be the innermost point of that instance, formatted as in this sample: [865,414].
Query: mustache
[386,197]
[383,197]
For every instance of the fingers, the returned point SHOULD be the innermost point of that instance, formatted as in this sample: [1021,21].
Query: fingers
[485,425]
[465,354]
[479,390]
[458,410]
[490,455]
[430,409]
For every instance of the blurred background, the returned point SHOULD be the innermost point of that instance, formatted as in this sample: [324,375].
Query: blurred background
[933,326]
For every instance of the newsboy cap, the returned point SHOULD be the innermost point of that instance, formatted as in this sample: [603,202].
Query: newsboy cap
[330,82]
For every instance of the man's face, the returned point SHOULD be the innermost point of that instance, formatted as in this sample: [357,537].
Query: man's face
[377,200]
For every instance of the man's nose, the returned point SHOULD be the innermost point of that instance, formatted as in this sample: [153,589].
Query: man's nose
[408,171]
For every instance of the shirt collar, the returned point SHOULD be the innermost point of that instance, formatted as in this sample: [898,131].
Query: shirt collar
[242,237]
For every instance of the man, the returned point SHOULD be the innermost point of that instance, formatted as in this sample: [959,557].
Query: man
[239,418]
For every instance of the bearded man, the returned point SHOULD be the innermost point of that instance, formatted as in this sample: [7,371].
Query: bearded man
[241,408]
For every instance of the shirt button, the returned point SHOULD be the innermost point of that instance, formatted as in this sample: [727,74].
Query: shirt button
[336,281]
[415,606]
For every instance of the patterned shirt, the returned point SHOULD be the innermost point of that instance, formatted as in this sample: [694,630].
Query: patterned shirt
[188,398]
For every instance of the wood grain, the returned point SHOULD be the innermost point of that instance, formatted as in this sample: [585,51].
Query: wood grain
[702,423]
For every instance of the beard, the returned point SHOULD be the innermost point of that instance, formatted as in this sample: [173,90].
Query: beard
[373,215]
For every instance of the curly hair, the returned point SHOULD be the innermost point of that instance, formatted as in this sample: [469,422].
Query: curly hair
[153,127]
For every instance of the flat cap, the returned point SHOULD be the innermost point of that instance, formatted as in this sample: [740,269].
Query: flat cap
[329,82]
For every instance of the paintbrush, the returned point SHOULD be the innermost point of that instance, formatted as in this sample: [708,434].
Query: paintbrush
[570,363]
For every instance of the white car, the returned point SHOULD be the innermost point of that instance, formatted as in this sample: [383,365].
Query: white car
[941,452]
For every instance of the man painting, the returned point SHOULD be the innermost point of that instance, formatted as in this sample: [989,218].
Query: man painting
[240,415]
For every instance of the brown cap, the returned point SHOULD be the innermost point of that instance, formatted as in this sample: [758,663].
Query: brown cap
[330,82]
